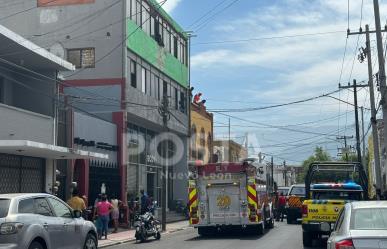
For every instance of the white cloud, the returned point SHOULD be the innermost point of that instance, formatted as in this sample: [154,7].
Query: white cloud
[170,5]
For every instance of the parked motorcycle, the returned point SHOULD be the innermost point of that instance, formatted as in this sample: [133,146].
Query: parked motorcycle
[147,226]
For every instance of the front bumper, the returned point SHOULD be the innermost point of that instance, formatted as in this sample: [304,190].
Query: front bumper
[318,227]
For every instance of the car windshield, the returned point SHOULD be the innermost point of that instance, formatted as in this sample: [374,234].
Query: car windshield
[297,191]
[337,195]
[4,206]
[369,219]
[283,191]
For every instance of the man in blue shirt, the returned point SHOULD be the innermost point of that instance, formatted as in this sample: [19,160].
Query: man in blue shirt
[144,202]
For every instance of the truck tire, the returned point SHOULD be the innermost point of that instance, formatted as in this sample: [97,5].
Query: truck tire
[271,224]
[202,231]
[307,239]
[261,229]
[289,219]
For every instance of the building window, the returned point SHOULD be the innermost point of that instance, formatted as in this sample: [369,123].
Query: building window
[157,79]
[209,145]
[176,99]
[138,13]
[202,138]
[133,10]
[175,47]
[145,18]
[193,142]
[182,102]
[165,88]
[143,80]
[133,74]
[82,57]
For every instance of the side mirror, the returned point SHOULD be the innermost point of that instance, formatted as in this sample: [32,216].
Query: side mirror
[77,214]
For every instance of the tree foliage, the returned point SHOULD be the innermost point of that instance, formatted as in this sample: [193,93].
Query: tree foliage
[319,156]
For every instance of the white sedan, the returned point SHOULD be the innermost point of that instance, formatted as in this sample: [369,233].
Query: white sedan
[360,225]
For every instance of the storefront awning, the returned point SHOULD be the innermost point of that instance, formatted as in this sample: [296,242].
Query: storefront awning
[48,151]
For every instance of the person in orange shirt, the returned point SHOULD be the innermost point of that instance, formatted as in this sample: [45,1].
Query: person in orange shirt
[76,202]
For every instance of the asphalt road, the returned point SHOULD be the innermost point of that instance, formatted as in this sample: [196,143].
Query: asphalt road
[282,236]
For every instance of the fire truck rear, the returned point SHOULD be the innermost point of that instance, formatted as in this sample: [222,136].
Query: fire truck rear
[228,195]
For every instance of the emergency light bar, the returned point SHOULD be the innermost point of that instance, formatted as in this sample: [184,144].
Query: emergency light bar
[349,186]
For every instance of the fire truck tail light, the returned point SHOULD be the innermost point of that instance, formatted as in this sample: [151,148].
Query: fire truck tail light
[304,210]
[345,244]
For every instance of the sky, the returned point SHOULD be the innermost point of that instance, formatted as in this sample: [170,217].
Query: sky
[272,70]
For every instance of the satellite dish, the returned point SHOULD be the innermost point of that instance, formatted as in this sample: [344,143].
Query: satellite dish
[58,50]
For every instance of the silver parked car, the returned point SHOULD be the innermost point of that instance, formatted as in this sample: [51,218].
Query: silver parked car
[42,221]
[360,225]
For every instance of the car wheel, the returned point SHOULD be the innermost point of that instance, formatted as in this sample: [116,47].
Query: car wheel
[261,229]
[202,231]
[35,245]
[91,242]
[307,239]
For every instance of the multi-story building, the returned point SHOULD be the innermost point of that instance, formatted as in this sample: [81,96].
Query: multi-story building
[29,150]
[128,56]
[202,130]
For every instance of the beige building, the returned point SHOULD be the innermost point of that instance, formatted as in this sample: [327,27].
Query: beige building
[201,143]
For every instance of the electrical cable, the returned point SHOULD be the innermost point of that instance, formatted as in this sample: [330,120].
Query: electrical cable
[206,14]
[24,11]
[268,38]
[272,126]
[119,45]
[211,18]
[274,106]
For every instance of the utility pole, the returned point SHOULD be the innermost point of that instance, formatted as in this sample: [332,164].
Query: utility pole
[272,175]
[165,114]
[285,174]
[382,75]
[375,137]
[229,140]
[382,79]
[345,149]
[357,123]
[363,136]
[355,86]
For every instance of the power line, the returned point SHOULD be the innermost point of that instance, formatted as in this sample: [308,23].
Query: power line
[274,106]
[267,38]
[273,126]
[208,20]
[65,84]
[24,11]
[119,45]
[44,46]
[207,13]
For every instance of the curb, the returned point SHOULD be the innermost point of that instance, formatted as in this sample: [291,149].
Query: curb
[115,243]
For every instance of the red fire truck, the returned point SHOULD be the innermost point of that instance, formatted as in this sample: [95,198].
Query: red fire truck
[227,195]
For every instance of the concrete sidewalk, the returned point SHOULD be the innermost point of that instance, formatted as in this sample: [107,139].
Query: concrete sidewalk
[128,236]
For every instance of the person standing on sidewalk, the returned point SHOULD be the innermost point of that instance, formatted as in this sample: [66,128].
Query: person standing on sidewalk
[103,211]
[115,212]
[76,202]
[144,202]
[281,205]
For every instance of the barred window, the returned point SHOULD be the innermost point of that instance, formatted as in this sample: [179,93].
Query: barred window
[82,57]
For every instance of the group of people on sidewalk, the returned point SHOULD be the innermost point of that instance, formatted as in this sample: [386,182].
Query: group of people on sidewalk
[103,210]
